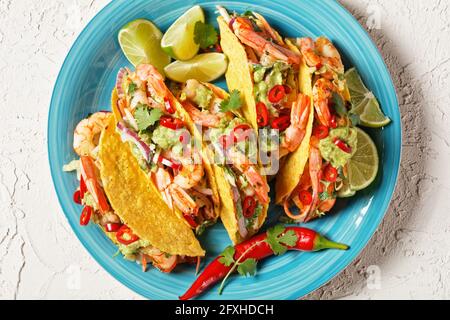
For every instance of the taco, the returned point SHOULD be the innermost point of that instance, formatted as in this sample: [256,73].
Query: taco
[116,195]
[231,145]
[265,67]
[158,130]
[333,139]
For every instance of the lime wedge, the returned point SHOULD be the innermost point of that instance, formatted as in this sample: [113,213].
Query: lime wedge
[178,41]
[205,67]
[140,41]
[364,103]
[346,191]
[363,166]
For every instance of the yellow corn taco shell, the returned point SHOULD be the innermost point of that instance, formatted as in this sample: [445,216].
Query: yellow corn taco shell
[227,205]
[184,116]
[137,202]
[238,75]
[292,168]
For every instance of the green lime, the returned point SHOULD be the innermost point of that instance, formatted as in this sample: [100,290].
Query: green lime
[363,166]
[140,41]
[205,67]
[178,41]
[346,191]
[364,103]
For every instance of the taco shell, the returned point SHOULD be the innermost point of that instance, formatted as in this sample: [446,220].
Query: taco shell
[137,202]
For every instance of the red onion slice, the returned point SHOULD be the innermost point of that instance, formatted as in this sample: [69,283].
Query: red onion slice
[129,135]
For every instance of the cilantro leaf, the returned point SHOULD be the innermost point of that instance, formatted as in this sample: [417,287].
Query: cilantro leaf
[339,104]
[205,35]
[279,239]
[132,88]
[247,268]
[227,256]
[145,117]
[234,102]
[324,196]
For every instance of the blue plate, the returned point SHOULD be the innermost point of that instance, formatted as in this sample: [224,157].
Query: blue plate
[85,83]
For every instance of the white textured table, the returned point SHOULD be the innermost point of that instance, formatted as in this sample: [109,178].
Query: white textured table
[409,257]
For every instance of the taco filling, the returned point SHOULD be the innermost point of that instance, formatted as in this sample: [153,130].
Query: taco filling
[273,64]
[157,133]
[232,142]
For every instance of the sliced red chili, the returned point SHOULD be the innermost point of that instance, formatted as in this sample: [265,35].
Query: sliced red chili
[249,207]
[113,227]
[171,123]
[277,93]
[169,163]
[218,48]
[342,145]
[330,173]
[262,114]
[83,187]
[125,236]
[191,220]
[226,141]
[77,197]
[281,123]
[86,215]
[305,197]
[333,121]
[320,132]
[169,106]
[185,138]
[287,89]
[240,132]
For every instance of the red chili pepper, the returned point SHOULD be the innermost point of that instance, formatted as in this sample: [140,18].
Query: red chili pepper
[191,220]
[287,89]
[281,123]
[169,163]
[342,145]
[262,114]
[330,173]
[77,197]
[240,133]
[320,132]
[226,141]
[86,216]
[305,197]
[308,240]
[249,206]
[125,236]
[113,227]
[171,123]
[276,94]
[83,187]
[169,106]
[218,48]
[333,122]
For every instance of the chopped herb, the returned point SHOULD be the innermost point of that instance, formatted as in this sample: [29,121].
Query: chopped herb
[146,117]
[234,102]
[286,220]
[248,13]
[247,268]
[227,256]
[355,120]
[279,240]
[205,35]
[324,196]
[132,88]
[339,104]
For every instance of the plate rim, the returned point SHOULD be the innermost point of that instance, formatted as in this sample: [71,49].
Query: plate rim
[294,294]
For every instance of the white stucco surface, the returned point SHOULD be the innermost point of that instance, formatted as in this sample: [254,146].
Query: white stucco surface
[409,257]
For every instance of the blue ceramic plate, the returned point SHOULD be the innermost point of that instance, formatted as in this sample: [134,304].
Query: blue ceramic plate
[84,86]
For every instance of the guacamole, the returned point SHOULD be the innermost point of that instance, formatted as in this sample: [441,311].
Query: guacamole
[132,248]
[265,78]
[330,152]
[203,96]
[166,138]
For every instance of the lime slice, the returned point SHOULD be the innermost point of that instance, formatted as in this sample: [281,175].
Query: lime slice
[140,41]
[346,191]
[178,41]
[363,166]
[204,67]
[364,103]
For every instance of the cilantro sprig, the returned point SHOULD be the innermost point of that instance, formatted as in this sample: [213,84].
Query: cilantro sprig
[205,35]
[233,102]
[146,117]
[279,241]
